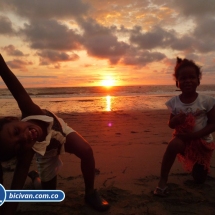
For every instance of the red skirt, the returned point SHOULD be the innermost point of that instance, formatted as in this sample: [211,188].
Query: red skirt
[197,151]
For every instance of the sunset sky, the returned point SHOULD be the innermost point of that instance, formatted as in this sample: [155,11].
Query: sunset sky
[96,42]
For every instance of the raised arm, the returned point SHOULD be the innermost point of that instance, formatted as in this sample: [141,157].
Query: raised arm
[20,175]
[26,105]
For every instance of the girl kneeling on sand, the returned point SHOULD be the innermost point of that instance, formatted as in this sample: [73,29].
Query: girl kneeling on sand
[193,120]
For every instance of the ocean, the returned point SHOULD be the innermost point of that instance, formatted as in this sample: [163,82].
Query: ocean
[97,99]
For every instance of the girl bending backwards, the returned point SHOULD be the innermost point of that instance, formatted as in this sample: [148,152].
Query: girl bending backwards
[193,120]
[43,133]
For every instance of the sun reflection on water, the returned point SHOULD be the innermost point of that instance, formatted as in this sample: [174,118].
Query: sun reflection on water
[108,103]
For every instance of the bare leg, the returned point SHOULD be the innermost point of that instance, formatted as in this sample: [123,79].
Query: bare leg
[79,146]
[174,147]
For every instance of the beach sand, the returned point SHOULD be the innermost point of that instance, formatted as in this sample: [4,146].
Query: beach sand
[128,148]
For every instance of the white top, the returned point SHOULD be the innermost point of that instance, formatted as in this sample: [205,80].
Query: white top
[40,147]
[199,109]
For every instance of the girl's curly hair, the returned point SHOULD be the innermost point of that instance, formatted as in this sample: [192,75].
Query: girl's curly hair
[182,63]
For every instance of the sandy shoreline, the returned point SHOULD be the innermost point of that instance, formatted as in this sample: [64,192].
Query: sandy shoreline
[128,148]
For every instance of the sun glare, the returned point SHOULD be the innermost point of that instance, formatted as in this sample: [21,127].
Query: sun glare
[107,82]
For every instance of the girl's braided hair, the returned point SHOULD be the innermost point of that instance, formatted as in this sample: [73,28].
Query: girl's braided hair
[182,63]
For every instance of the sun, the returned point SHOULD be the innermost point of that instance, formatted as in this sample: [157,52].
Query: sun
[108,82]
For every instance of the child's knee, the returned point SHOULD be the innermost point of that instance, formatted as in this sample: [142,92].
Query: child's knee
[176,145]
[87,152]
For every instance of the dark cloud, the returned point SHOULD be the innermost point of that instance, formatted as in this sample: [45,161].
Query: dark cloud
[11,50]
[39,9]
[205,46]
[142,58]
[48,56]
[184,43]
[204,28]
[130,32]
[205,35]
[100,42]
[155,38]
[169,39]
[6,26]
[196,8]
[19,64]
[50,34]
